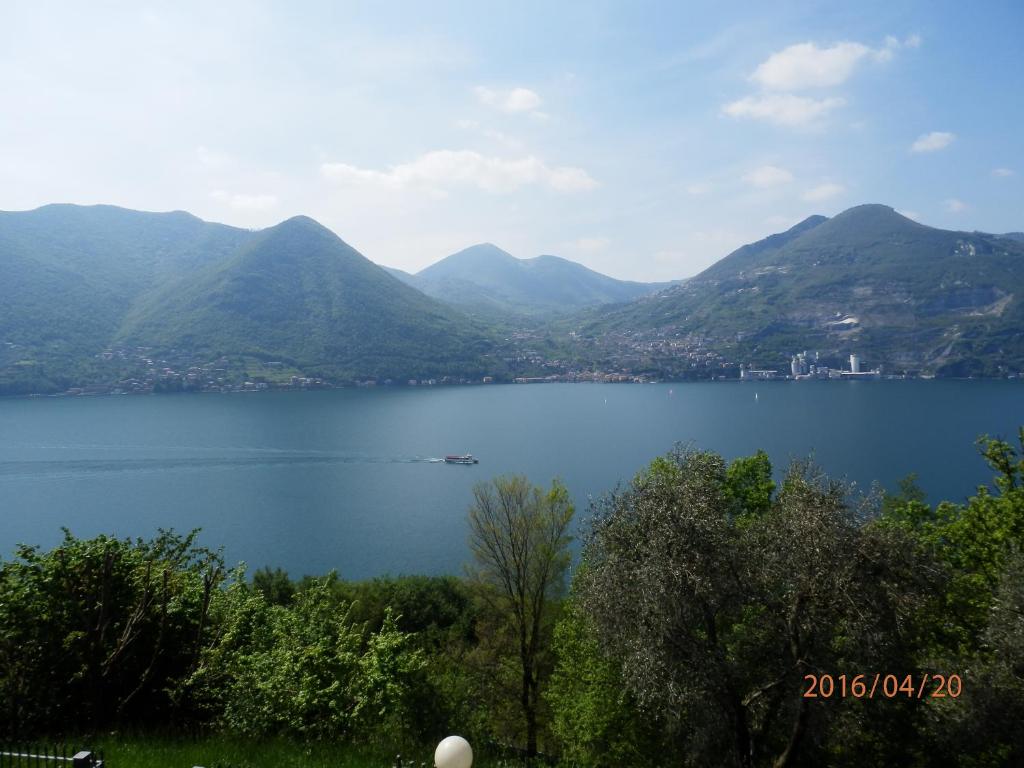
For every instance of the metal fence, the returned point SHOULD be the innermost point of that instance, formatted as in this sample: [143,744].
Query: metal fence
[36,756]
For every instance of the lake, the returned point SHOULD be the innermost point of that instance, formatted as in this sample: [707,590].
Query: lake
[343,479]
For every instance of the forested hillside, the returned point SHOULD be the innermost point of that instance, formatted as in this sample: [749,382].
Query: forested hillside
[95,295]
[904,295]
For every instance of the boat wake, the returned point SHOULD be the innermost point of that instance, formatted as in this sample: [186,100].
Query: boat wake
[78,467]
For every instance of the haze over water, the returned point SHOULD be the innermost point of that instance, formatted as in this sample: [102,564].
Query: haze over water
[344,479]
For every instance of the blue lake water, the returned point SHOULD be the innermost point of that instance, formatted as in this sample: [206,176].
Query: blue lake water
[342,479]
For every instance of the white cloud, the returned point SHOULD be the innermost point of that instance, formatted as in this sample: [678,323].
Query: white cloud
[442,168]
[805,65]
[823,192]
[242,202]
[955,206]
[768,176]
[782,108]
[698,189]
[808,66]
[909,214]
[514,100]
[1003,173]
[932,142]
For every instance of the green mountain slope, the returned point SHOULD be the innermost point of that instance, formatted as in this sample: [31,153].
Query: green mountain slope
[70,274]
[903,295]
[297,293]
[401,274]
[79,281]
[487,280]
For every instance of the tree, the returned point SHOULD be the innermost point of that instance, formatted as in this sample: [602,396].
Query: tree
[520,543]
[972,541]
[593,715]
[717,604]
[96,631]
[306,669]
[975,621]
[275,585]
[749,484]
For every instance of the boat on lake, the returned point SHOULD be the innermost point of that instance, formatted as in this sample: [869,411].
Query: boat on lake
[464,458]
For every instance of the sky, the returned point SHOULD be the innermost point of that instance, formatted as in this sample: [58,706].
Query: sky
[644,140]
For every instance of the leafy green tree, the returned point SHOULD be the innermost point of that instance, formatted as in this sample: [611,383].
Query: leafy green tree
[717,607]
[520,543]
[981,727]
[274,585]
[971,541]
[95,631]
[972,625]
[749,484]
[593,715]
[306,669]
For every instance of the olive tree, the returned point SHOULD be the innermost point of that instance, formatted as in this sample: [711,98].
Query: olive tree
[520,543]
[717,603]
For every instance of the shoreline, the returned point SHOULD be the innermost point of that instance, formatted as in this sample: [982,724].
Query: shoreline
[521,381]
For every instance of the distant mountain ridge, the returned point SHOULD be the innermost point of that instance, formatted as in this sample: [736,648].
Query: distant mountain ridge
[77,281]
[485,279]
[114,299]
[902,294]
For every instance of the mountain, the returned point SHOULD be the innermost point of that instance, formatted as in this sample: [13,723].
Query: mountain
[70,272]
[79,281]
[110,298]
[401,274]
[901,294]
[749,256]
[1018,236]
[485,279]
[68,275]
[298,293]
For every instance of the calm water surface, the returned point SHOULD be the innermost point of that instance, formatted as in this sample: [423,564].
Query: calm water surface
[343,479]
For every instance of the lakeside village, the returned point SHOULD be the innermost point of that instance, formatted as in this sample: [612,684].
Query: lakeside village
[153,375]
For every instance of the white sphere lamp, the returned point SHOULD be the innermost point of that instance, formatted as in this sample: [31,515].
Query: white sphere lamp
[453,752]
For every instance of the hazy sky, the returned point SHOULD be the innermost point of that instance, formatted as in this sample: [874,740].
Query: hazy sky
[644,140]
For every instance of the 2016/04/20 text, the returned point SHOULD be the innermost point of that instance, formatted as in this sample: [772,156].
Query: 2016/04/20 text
[883,686]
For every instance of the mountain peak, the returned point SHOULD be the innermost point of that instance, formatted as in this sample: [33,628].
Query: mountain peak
[482,251]
[300,222]
[862,225]
[875,214]
[484,278]
[482,257]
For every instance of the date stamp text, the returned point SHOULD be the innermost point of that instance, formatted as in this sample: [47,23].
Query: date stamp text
[887,686]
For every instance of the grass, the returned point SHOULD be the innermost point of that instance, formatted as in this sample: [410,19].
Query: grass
[233,752]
